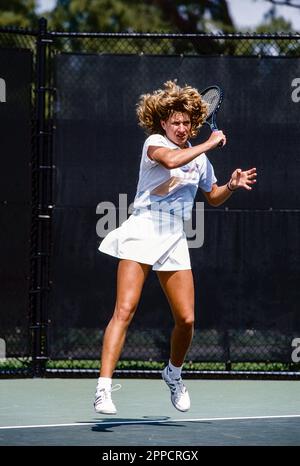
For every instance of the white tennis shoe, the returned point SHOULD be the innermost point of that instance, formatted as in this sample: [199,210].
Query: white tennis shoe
[179,394]
[103,403]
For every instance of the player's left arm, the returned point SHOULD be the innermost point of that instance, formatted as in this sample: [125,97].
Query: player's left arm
[239,179]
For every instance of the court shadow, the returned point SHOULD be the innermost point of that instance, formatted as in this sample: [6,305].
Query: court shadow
[107,424]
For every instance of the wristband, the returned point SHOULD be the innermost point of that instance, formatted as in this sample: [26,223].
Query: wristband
[232,190]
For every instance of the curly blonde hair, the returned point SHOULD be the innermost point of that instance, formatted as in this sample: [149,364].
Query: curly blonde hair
[162,103]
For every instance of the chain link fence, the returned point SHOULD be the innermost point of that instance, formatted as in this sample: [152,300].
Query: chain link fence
[18,199]
[53,338]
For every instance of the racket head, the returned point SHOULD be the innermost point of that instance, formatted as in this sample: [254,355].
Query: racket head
[213,96]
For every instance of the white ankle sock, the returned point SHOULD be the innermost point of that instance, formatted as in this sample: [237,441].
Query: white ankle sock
[104,382]
[174,371]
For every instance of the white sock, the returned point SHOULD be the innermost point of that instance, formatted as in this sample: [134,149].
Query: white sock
[174,372]
[104,382]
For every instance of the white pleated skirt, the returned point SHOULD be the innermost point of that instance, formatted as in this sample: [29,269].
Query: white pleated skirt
[150,237]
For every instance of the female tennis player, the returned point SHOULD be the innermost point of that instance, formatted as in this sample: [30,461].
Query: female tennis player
[171,170]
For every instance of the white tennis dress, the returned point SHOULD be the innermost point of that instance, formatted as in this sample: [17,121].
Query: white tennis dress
[154,233]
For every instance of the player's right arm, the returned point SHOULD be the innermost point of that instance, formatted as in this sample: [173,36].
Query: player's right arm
[174,158]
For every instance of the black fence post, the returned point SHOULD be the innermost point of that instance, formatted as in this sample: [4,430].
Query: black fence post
[42,214]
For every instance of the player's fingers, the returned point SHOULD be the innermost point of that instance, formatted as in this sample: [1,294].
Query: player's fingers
[251,171]
[246,186]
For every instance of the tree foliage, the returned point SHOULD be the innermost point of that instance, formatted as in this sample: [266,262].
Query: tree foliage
[177,16]
[18,13]
[149,16]
[106,16]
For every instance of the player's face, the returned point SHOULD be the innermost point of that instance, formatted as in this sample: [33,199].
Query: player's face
[177,128]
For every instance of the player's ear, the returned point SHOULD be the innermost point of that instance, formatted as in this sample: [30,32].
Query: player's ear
[163,124]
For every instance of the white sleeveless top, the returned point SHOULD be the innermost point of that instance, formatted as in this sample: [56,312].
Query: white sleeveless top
[171,190]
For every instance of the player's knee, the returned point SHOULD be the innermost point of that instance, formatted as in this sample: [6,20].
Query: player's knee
[124,312]
[186,321]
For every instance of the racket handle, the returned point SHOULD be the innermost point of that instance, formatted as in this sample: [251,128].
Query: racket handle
[216,129]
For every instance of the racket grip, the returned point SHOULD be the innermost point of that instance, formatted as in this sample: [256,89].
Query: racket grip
[216,129]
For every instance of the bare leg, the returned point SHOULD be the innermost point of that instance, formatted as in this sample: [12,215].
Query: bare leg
[130,280]
[179,289]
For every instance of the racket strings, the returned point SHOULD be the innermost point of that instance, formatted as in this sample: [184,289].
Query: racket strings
[212,98]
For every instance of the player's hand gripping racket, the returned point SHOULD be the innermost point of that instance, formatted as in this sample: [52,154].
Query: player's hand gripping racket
[213,96]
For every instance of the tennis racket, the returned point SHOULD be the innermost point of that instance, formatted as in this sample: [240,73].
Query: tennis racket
[213,96]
